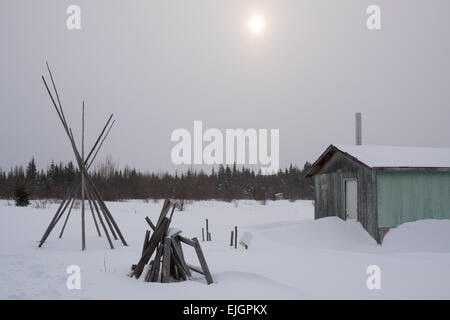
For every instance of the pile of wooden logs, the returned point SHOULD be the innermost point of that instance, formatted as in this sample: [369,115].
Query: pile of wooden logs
[165,246]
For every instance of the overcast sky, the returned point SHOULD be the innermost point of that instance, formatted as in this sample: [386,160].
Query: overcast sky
[159,65]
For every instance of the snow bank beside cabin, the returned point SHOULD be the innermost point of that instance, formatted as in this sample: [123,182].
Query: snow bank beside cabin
[419,236]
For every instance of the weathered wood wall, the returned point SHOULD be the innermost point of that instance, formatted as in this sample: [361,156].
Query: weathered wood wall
[330,191]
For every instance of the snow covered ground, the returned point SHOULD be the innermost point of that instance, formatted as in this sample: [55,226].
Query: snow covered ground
[291,256]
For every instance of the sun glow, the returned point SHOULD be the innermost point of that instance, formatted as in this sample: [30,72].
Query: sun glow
[256,24]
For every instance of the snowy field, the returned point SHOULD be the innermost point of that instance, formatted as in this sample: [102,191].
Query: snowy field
[291,256]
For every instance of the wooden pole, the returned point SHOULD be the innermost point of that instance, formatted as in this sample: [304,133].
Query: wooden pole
[174,271]
[62,207]
[67,218]
[235,237]
[171,214]
[150,223]
[207,232]
[186,240]
[180,269]
[153,273]
[164,211]
[165,269]
[147,236]
[83,223]
[108,222]
[178,242]
[100,210]
[179,256]
[93,216]
[101,144]
[203,234]
[51,224]
[202,260]
[99,137]
[231,240]
[101,220]
[61,213]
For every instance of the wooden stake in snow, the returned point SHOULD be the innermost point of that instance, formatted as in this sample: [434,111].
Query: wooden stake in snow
[203,234]
[207,230]
[235,237]
[231,240]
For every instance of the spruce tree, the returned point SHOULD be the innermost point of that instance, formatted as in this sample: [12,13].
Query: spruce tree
[31,172]
[21,196]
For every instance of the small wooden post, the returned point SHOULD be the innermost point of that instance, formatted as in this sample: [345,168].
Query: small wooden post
[235,237]
[231,240]
[207,230]
[209,236]
[203,234]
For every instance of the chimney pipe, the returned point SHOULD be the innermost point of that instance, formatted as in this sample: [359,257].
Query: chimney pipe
[358,128]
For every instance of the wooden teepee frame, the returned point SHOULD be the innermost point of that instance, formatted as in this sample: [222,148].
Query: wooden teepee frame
[88,190]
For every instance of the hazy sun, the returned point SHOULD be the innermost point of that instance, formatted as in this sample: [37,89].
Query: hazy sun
[256,24]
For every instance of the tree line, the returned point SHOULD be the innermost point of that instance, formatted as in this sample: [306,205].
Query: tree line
[224,182]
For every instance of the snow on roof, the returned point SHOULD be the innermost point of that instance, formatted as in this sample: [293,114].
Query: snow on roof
[390,156]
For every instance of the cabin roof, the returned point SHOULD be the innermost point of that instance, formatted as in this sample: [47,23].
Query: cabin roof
[387,157]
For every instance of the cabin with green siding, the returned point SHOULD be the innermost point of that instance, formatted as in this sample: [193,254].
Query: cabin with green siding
[382,186]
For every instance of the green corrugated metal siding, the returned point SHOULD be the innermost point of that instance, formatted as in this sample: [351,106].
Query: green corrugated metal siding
[412,195]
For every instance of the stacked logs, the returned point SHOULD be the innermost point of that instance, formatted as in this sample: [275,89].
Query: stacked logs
[165,246]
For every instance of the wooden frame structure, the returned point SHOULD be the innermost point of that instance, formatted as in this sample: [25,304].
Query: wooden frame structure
[88,191]
[169,259]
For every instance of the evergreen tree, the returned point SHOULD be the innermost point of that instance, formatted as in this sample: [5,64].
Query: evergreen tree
[21,196]
[224,182]
[31,172]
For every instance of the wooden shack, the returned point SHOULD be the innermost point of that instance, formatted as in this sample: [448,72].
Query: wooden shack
[382,186]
